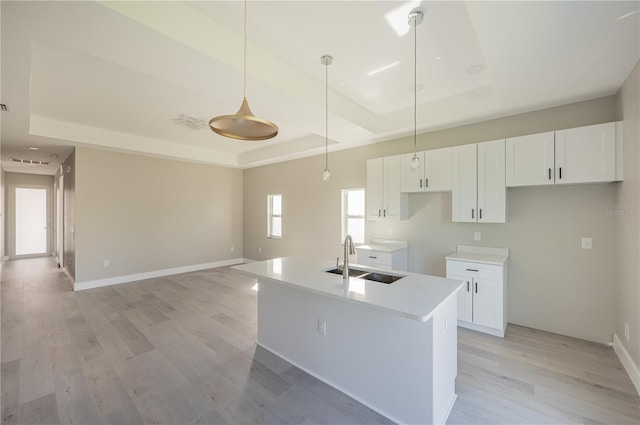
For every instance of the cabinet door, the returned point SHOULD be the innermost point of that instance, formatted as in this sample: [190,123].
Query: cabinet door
[465,298]
[412,180]
[586,154]
[438,170]
[373,200]
[487,303]
[394,202]
[530,160]
[492,192]
[464,188]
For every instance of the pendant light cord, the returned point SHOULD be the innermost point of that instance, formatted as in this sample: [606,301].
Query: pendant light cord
[415,86]
[244,87]
[326,117]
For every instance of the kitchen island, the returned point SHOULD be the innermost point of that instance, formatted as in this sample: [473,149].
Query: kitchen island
[393,347]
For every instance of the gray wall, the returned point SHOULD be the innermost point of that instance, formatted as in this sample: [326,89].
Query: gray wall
[146,214]
[554,285]
[627,220]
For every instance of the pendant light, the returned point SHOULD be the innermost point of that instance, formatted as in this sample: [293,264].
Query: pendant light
[243,125]
[415,18]
[326,60]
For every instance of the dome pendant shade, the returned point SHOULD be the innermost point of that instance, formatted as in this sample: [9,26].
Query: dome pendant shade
[243,125]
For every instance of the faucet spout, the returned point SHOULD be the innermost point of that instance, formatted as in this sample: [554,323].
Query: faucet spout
[349,249]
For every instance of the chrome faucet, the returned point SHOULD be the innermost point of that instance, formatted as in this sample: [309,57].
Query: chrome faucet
[349,249]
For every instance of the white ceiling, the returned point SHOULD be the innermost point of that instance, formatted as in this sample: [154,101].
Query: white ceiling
[116,74]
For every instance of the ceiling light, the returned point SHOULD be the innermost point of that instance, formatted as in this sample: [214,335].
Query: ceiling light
[383,68]
[243,125]
[33,148]
[326,60]
[415,18]
[397,17]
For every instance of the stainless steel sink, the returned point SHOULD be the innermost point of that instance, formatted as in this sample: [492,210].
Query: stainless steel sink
[368,275]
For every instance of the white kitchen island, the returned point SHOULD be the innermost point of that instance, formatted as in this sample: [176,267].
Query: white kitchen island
[393,347]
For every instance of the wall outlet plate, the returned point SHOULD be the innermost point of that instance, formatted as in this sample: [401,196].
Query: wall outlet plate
[587,243]
[477,236]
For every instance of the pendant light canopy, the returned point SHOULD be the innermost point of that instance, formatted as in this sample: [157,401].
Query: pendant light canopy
[415,18]
[326,60]
[243,125]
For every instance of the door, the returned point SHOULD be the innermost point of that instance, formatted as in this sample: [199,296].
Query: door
[373,199]
[31,227]
[487,303]
[412,179]
[586,154]
[492,192]
[438,169]
[465,298]
[530,160]
[465,177]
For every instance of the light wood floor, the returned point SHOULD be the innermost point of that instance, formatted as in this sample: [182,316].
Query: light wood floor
[181,350]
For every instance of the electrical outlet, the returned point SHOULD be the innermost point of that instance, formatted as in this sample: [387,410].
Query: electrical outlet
[477,236]
[587,243]
[106,263]
[390,231]
[259,250]
[626,332]
[233,248]
[322,327]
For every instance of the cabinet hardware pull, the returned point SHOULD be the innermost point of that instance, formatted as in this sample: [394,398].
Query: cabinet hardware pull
[384,213]
[481,213]
[472,270]
[549,173]
[420,183]
[426,182]
[467,286]
[560,173]
[472,213]
[379,213]
[371,256]
[476,287]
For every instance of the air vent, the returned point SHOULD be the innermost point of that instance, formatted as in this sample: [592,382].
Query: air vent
[30,161]
[4,107]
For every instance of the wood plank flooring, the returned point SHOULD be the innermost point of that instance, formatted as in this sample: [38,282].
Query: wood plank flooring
[181,350]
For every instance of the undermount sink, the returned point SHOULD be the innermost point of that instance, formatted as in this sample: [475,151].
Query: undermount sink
[368,275]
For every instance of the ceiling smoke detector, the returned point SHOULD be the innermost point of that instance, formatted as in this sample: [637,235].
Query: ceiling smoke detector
[190,122]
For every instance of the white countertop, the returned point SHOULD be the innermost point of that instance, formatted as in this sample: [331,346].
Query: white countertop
[416,296]
[478,254]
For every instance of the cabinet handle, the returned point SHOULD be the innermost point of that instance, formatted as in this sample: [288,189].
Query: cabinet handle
[384,213]
[379,213]
[549,173]
[371,256]
[472,270]
[426,182]
[480,213]
[467,286]
[420,183]
[560,171]
[472,213]
[476,287]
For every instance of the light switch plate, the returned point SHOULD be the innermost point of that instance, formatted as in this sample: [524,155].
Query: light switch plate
[477,236]
[587,243]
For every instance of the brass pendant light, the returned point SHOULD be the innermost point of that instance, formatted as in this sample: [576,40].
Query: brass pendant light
[415,18]
[243,125]
[326,60]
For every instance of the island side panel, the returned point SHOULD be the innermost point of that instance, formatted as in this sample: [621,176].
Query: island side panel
[445,358]
[381,359]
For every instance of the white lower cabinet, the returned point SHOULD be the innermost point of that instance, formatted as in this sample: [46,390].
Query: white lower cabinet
[482,301]
[383,255]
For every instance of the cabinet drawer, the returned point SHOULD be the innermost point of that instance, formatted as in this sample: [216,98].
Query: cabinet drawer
[484,271]
[374,257]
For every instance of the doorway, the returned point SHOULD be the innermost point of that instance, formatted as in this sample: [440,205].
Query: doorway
[31,212]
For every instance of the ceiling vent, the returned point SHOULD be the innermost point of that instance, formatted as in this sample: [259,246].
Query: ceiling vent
[30,161]
[4,107]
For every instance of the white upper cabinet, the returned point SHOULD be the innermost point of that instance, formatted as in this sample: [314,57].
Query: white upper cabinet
[433,175]
[479,191]
[384,201]
[530,160]
[576,155]
[586,154]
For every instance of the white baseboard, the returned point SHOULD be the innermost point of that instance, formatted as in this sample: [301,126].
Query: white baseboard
[79,286]
[629,365]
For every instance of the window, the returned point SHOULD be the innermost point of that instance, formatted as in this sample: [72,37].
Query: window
[353,214]
[274,216]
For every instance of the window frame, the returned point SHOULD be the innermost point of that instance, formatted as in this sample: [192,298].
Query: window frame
[271,216]
[344,216]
